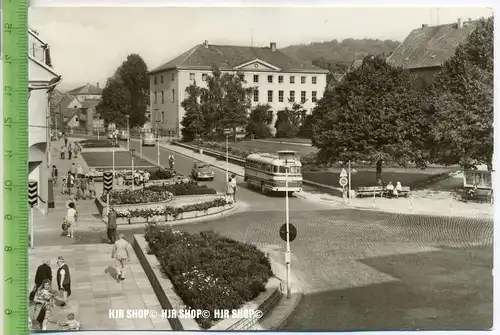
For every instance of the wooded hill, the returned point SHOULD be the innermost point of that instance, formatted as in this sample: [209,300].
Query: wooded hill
[337,56]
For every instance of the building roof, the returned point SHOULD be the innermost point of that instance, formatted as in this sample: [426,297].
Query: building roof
[86,89]
[227,57]
[90,103]
[430,46]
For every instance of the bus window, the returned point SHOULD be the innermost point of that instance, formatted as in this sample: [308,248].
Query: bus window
[292,169]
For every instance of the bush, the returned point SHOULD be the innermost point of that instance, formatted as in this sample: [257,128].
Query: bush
[189,188]
[139,196]
[287,130]
[158,174]
[209,271]
[97,144]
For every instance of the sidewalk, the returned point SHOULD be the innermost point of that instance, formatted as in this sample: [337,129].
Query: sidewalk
[95,289]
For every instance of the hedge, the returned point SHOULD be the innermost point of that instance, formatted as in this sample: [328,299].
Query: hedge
[189,188]
[97,144]
[209,271]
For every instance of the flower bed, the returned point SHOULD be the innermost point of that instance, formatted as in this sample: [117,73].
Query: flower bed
[161,174]
[155,173]
[189,188]
[97,144]
[140,196]
[208,271]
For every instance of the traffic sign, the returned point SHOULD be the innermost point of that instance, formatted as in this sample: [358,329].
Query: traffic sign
[343,173]
[227,131]
[293,232]
[32,193]
[343,181]
[108,181]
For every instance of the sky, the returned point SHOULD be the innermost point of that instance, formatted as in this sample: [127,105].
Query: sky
[89,43]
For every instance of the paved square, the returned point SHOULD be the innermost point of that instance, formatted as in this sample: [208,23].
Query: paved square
[95,290]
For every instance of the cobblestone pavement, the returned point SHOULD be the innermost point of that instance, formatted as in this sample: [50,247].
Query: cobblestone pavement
[374,270]
[95,289]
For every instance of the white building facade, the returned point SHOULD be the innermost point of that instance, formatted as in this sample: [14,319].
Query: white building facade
[278,79]
[42,79]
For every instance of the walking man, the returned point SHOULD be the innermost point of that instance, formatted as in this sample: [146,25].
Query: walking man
[43,272]
[63,279]
[233,182]
[229,189]
[65,139]
[112,226]
[55,174]
[121,252]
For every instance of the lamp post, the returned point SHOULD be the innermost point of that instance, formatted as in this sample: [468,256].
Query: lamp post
[157,144]
[288,257]
[133,176]
[226,132]
[128,129]
[114,144]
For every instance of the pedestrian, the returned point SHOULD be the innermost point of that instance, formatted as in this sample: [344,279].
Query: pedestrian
[171,161]
[84,186]
[63,279]
[70,323]
[70,182]
[73,169]
[44,302]
[121,252]
[55,175]
[43,272]
[65,139]
[63,149]
[390,189]
[70,151]
[398,190]
[71,218]
[230,189]
[233,182]
[75,150]
[92,188]
[79,171]
[64,184]
[79,192]
[112,226]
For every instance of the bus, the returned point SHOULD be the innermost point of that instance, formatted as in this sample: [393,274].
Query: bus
[267,172]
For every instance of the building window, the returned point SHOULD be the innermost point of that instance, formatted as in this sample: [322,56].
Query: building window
[314,80]
[269,96]
[270,115]
[155,96]
[162,117]
[281,96]
[204,77]
[256,96]
[269,79]
[191,76]
[302,80]
[292,96]
[173,95]
[242,77]
[255,78]
[162,97]
[313,96]
[161,79]
[303,96]
[155,80]
[292,80]
[173,76]
[280,79]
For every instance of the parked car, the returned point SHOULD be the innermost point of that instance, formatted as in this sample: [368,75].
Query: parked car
[148,140]
[202,171]
[123,135]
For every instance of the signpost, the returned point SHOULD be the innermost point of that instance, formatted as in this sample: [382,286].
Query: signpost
[293,232]
[32,201]
[133,171]
[107,187]
[343,182]
[227,132]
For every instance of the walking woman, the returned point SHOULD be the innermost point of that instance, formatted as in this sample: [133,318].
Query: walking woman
[71,218]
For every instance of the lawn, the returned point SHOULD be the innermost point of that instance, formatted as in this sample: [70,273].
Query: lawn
[273,147]
[290,140]
[415,178]
[105,159]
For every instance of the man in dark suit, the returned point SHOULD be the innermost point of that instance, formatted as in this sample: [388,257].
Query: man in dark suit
[43,272]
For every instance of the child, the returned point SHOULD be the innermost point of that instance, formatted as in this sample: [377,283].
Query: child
[79,191]
[64,189]
[70,323]
[55,175]
[92,188]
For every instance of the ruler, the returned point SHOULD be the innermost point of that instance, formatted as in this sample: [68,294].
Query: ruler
[15,166]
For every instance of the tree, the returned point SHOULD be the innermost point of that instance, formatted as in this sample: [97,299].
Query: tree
[115,102]
[192,122]
[236,102]
[260,120]
[463,101]
[134,74]
[211,100]
[289,120]
[374,115]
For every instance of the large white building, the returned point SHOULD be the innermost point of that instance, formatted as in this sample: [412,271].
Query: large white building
[278,78]
[42,79]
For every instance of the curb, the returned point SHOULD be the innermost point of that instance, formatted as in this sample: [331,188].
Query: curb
[298,299]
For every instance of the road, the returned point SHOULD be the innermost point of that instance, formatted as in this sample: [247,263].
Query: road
[251,199]
[360,270]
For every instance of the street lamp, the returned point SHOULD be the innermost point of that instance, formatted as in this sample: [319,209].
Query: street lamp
[113,143]
[133,176]
[128,129]
[157,144]
[288,257]
[226,132]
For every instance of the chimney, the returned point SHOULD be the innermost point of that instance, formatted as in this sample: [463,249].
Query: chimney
[273,46]
[459,23]
[205,44]
[425,25]
[97,84]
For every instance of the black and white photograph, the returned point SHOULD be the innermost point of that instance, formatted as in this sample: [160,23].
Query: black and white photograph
[260,168]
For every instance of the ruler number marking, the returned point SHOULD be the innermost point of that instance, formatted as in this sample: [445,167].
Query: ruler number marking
[8,153]
[7,27]
[8,185]
[7,121]
[8,248]
[9,280]
[8,92]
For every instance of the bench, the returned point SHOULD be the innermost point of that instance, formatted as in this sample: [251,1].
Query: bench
[380,191]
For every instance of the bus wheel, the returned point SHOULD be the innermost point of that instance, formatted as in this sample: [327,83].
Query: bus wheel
[262,188]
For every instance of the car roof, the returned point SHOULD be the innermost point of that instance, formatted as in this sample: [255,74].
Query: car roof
[200,164]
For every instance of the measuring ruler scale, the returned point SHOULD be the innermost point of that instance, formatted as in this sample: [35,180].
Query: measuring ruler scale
[15,166]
